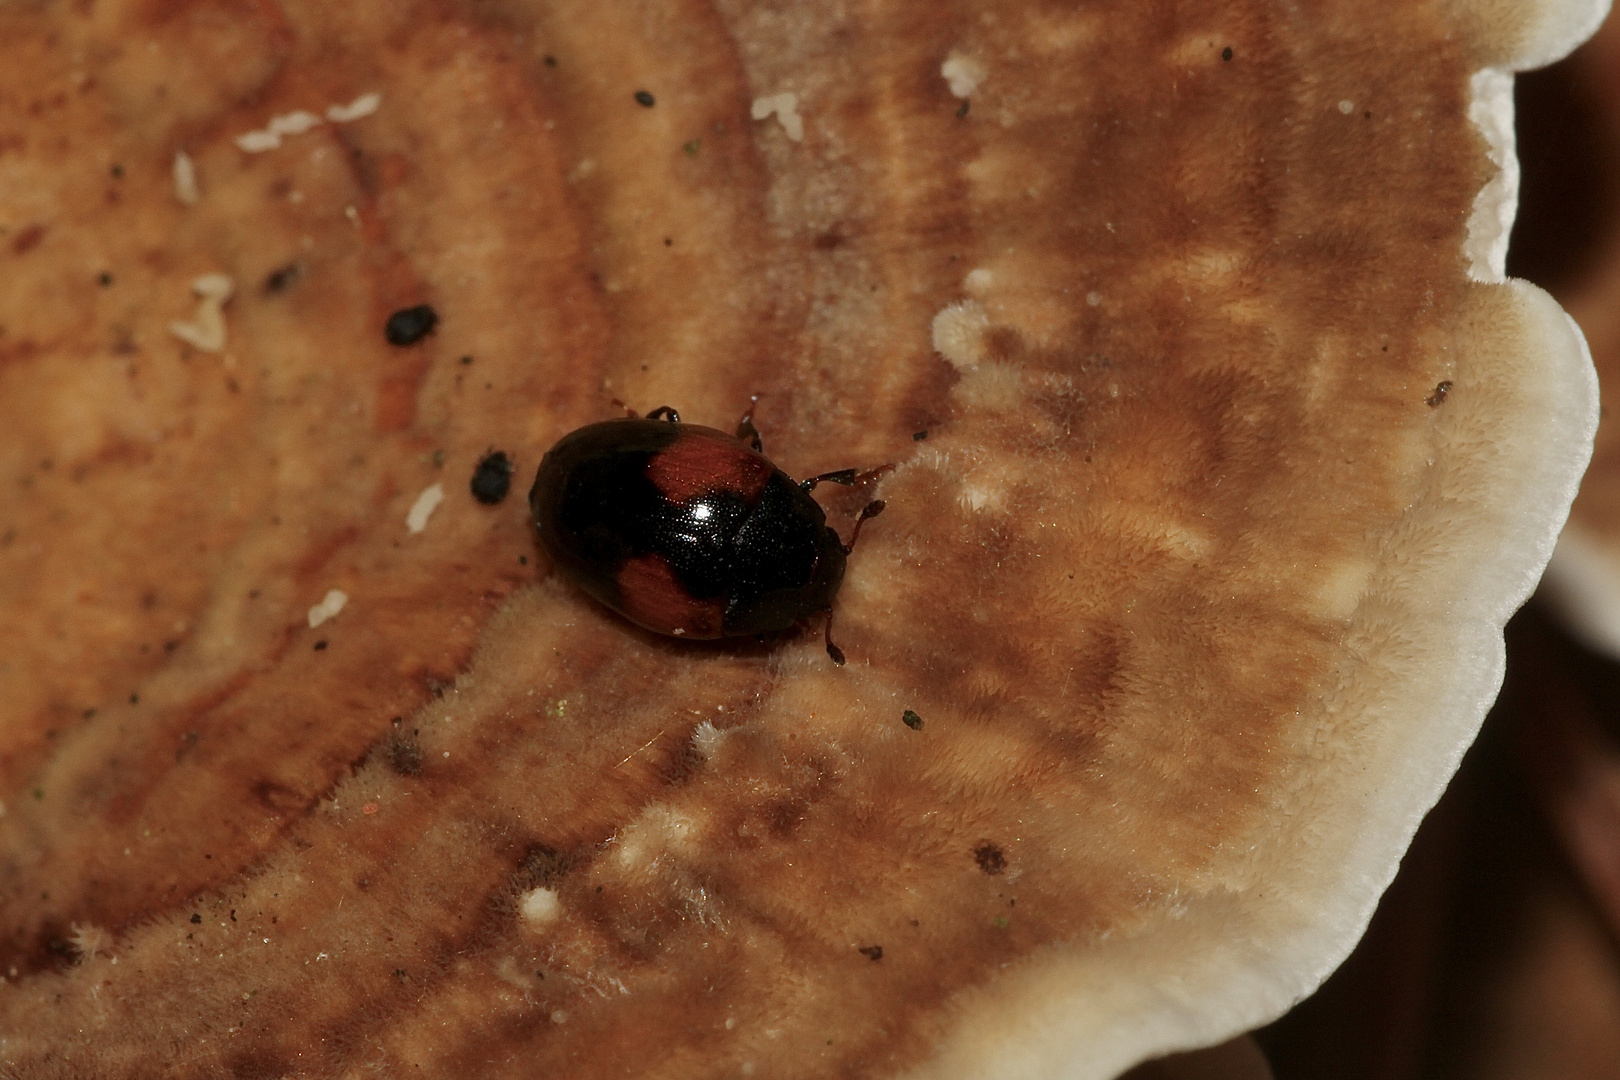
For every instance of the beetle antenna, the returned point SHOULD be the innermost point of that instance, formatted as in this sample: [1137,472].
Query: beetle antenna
[746,431]
[665,412]
[833,651]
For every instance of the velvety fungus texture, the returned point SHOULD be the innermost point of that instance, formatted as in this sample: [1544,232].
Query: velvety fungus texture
[1194,587]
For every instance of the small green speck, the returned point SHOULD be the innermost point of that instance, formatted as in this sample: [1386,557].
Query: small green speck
[1001,922]
[438,458]
[559,709]
[39,793]
[693,147]
[911,720]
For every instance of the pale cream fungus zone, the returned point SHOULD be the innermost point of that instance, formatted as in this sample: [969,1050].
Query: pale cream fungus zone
[1169,314]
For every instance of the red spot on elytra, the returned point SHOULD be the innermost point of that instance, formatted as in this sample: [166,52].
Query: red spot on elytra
[704,461]
[651,595]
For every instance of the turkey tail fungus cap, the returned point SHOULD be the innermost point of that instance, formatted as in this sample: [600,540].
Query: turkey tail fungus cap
[1223,452]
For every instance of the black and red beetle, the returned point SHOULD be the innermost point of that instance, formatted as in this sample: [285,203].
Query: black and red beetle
[688,531]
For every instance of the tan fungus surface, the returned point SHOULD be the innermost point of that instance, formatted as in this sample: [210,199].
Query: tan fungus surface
[1214,409]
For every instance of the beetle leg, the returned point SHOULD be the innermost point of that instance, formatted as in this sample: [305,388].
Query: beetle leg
[847,477]
[628,411]
[665,412]
[840,476]
[833,651]
[862,479]
[870,510]
[746,431]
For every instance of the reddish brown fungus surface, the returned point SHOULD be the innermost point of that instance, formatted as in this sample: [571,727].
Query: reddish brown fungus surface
[1197,578]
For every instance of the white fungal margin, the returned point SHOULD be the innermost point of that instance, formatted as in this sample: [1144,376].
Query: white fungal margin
[1490,107]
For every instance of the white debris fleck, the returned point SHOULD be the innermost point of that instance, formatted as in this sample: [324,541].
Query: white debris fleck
[786,108]
[423,507]
[185,179]
[329,606]
[269,137]
[257,142]
[1347,106]
[964,74]
[1093,298]
[294,123]
[540,907]
[364,105]
[206,330]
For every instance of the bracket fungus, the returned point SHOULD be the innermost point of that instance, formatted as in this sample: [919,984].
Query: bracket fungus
[1194,588]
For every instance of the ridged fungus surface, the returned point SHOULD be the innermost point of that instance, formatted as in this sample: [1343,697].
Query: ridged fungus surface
[1187,597]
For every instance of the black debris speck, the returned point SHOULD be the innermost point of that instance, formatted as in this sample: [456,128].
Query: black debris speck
[872,952]
[551,61]
[962,109]
[1440,391]
[692,147]
[492,478]
[196,919]
[104,278]
[404,756]
[409,325]
[1226,53]
[320,646]
[542,866]
[117,172]
[523,560]
[645,100]
[989,858]
[911,720]
[466,360]
[134,699]
[279,279]
[918,436]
